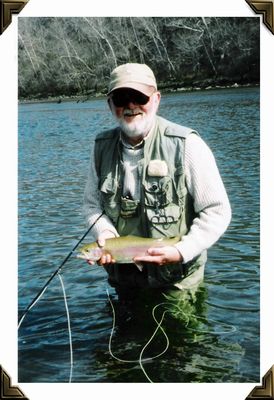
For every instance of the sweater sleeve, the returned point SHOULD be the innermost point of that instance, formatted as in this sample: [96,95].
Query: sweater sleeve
[210,199]
[91,206]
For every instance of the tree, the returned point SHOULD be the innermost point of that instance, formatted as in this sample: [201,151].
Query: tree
[70,56]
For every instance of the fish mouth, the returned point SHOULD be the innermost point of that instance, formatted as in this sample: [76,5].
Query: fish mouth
[82,256]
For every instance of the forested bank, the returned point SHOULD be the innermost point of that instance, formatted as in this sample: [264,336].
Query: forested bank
[64,57]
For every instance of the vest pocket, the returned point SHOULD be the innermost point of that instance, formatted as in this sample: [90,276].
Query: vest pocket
[170,214]
[108,194]
[162,213]
[164,222]
[129,208]
[158,191]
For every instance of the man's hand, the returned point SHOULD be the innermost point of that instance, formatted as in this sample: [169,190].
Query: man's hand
[161,255]
[106,258]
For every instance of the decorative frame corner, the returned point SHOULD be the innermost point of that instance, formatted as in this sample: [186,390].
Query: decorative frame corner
[266,8]
[7,391]
[7,8]
[266,390]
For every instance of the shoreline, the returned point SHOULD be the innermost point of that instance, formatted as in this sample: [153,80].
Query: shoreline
[81,98]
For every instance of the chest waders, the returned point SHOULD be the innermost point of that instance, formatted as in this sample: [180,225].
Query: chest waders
[165,208]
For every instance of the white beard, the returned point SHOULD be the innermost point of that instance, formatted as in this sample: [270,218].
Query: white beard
[139,127]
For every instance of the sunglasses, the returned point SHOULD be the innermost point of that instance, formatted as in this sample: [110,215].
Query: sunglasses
[122,97]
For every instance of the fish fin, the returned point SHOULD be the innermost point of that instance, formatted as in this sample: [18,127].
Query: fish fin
[139,266]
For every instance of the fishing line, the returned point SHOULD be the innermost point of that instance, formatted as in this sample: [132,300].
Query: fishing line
[159,325]
[231,328]
[69,327]
[42,291]
[37,298]
[140,360]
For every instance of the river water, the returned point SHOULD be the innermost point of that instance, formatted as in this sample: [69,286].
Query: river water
[215,338]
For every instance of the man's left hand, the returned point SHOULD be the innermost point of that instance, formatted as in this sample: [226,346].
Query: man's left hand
[160,255]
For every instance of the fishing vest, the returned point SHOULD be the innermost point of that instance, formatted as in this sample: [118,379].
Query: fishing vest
[165,208]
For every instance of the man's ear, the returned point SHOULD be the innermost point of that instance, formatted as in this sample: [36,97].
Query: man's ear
[158,96]
[157,99]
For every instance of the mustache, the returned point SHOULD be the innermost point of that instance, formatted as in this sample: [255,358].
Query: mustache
[128,111]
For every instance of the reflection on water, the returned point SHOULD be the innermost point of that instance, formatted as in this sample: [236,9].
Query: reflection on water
[212,336]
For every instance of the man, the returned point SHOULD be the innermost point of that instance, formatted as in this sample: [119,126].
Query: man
[153,178]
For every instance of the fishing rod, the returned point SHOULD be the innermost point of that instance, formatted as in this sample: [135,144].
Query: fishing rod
[41,292]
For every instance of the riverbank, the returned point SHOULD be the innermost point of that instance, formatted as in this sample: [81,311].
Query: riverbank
[81,98]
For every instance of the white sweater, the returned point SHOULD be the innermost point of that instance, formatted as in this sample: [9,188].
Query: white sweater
[203,182]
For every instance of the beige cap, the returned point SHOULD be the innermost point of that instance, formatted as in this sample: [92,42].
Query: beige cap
[134,76]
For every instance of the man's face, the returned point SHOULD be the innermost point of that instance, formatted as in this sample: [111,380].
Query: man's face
[134,111]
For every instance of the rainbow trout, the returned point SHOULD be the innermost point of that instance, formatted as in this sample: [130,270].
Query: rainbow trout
[124,248]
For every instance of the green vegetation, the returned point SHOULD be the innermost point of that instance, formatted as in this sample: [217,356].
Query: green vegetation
[60,57]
